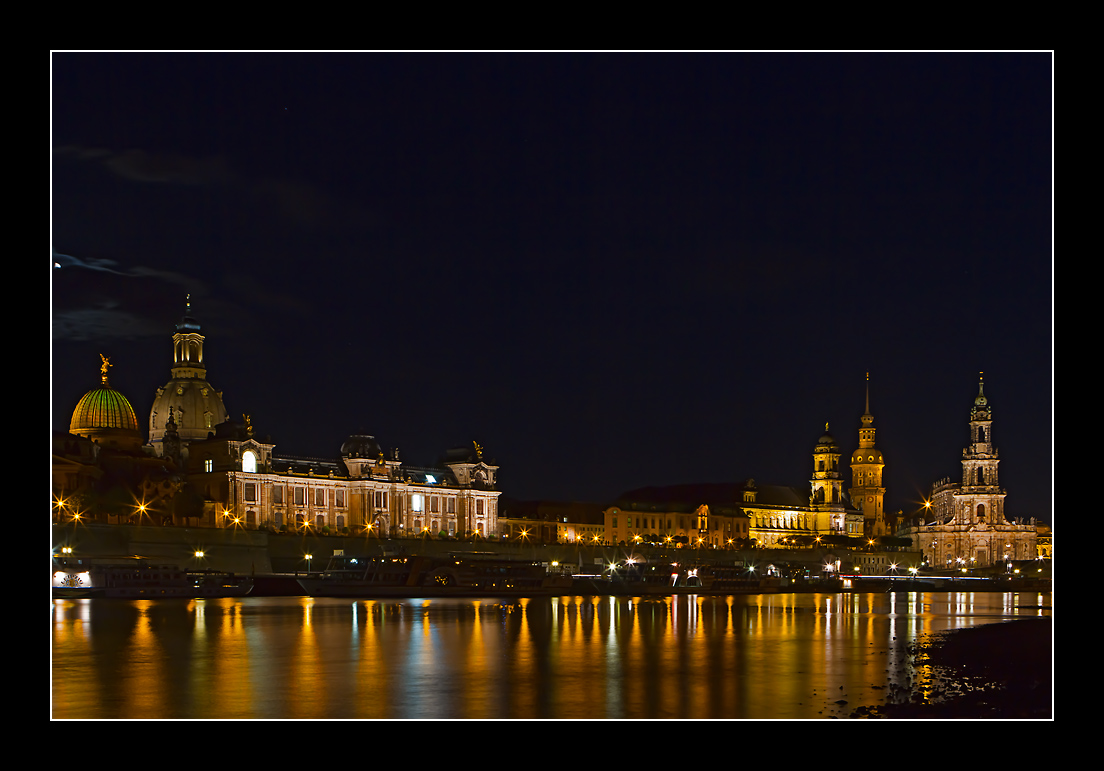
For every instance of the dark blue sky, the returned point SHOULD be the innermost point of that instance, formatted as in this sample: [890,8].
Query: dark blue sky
[610,270]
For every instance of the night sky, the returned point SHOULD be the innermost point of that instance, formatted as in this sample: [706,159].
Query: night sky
[610,270]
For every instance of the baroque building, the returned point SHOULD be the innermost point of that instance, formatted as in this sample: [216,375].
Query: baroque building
[966,525]
[232,479]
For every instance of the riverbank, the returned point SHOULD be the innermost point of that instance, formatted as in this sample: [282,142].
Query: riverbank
[996,671]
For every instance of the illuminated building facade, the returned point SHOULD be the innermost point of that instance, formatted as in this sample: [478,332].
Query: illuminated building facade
[244,483]
[738,515]
[966,527]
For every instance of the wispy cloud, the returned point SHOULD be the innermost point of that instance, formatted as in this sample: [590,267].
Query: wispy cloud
[97,298]
[67,261]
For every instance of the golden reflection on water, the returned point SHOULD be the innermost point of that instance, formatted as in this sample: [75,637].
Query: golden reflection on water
[751,656]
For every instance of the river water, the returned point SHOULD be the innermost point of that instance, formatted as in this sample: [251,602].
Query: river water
[773,656]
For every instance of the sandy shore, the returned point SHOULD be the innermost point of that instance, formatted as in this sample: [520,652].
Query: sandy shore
[995,671]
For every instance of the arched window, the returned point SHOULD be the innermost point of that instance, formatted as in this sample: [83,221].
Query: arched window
[249,461]
[981,510]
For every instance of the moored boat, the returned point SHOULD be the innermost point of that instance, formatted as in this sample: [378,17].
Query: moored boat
[138,578]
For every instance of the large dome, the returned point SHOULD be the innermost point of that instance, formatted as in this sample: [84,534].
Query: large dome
[103,407]
[197,409]
[105,416]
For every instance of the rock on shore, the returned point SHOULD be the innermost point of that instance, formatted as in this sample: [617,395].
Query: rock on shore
[996,671]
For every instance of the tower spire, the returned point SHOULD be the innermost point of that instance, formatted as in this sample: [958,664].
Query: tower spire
[867,464]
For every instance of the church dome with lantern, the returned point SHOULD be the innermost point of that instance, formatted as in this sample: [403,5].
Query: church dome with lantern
[197,407]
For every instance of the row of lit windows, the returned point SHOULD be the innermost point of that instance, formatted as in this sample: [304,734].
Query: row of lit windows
[299,494]
[419,502]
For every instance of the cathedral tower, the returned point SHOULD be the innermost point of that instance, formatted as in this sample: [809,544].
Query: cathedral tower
[867,492]
[980,498]
[967,527]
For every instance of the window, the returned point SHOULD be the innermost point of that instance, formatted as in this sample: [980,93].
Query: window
[450,504]
[251,492]
[416,502]
[208,465]
[249,461]
[300,496]
[278,495]
[319,497]
[339,499]
[479,507]
[434,503]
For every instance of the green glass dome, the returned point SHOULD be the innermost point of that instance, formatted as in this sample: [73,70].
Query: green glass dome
[103,408]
